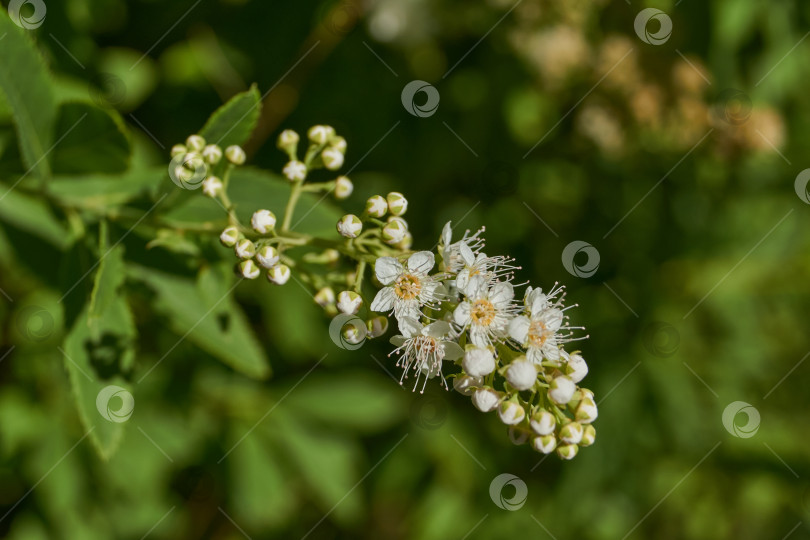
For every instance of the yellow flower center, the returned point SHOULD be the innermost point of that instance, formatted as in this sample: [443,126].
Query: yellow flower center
[482,312]
[426,345]
[407,286]
[538,333]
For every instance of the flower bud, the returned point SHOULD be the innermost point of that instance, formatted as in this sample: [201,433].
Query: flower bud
[279,274]
[567,451]
[331,255]
[511,413]
[248,269]
[195,143]
[377,326]
[349,302]
[229,236]
[571,433]
[321,134]
[267,256]
[263,221]
[287,140]
[518,436]
[584,392]
[349,226]
[339,144]
[406,242]
[521,374]
[577,367]
[235,154]
[465,384]
[182,174]
[353,334]
[485,399]
[343,187]
[178,150]
[193,161]
[376,206]
[586,411]
[325,297]
[332,159]
[394,231]
[397,203]
[245,249]
[212,186]
[478,362]
[295,171]
[561,390]
[545,444]
[588,436]
[212,154]
[543,422]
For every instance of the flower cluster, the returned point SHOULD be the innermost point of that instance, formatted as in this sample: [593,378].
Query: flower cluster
[463,311]
[454,307]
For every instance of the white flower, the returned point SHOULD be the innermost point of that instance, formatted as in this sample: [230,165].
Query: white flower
[571,433]
[511,413]
[376,206]
[235,154]
[395,231]
[229,236]
[195,143]
[321,134]
[543,423]
[452,260]
[248,269]
[332,158]
[486,399]
[485,310]
[212,186]
[397,203]
[343,187]
[544,444]
[279,274]
[478,361]
[295,171]
[212,154]
[466,384]
[423,348]
[268,256]
[263,221]
[586,411]
[492,269]
[561,390]
[349,226]
[349,302]
[406,288]
[521,374]
[576,366]
[245,249]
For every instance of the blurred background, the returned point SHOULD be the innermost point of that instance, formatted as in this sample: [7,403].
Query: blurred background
[668,143]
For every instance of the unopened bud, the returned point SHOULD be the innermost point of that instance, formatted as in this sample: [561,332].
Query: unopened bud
[567,451]
[394,231]
[332,159]
[267,256]
[377,326]
[321,134]
[478,361]
[325,297]
[561,390]
[521,374]
[543,422]
[349,302]
[586,411]
[571,433]
[485,399]
[588,435]
[397,203]
[349,226]
[545,444]
[212,154]
[263,221]
[376,206]
[212,186]
[178,150]
[518,436]
[245,249]
[343,187]
[279,274]
[295,171]
[195,143]
[248,269]
[287,140]
[511,413]
[235,154]
[229,236]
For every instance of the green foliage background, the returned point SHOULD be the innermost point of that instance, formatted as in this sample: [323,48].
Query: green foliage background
[251,422]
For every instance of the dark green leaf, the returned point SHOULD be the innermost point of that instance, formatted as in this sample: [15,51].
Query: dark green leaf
[233,122]
[33,216]
[92,140]
[100,191]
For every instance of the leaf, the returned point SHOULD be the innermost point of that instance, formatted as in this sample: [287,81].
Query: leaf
[87,383]
[101,191]
[216,325]
[25,83]
[33,216]
[91,140]
[175,242]
[234,121]
[108,279]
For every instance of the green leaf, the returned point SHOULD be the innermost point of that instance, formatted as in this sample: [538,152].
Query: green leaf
[33,216]
[25,83]
[101,191]
[233,122]
[108,279]
[215,323]
[81,352]
[175,242]
[92,140]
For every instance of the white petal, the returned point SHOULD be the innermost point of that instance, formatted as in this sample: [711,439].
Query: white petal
[387,269]
[463,279]
[466,253]
[476,287]
[501,294]
[552,318]
[406,308]
[535,356]
[452,350]
[409,326]
[519,329]
[431,290]
[421,262]
[437,329]
[397,341]
[479,336]
[447,232]
[384,300]
[461,315]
